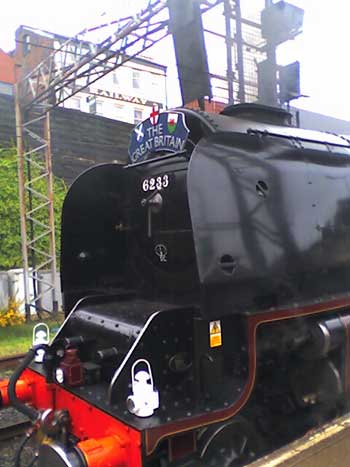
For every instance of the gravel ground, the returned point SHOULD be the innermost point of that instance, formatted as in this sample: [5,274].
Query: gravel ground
[8,451]
[9,416]
[9,448]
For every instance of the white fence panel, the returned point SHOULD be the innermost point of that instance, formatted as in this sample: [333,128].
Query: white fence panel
[12,285]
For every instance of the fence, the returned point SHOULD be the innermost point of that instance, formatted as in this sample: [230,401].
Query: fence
[11,285]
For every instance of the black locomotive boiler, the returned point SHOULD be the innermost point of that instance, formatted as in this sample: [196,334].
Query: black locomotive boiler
[206,284]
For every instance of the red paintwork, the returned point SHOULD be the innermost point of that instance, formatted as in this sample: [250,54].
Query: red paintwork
[110,451]
[88,424]
[23,391]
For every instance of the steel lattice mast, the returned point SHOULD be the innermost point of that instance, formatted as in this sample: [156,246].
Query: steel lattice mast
[72,67]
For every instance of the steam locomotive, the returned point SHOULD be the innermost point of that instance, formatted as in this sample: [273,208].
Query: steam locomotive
[209,286]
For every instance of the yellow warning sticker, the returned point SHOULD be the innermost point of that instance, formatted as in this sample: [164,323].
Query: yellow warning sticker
[215,333]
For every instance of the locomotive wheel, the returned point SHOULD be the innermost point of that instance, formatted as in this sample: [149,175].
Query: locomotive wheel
[229,444]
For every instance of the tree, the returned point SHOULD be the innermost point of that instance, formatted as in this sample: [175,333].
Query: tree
[10,233]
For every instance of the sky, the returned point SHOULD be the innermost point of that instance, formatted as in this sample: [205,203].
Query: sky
[321,48]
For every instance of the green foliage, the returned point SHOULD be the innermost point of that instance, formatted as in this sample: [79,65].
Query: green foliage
[10,237]
[18,338]
[11,315]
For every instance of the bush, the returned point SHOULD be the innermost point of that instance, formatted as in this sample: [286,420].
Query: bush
[10,233]
[11,315]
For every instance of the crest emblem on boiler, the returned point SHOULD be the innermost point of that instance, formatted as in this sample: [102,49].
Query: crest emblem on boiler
[161,132]
[161,251]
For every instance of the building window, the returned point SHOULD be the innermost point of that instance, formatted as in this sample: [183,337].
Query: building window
[154,80]
[118,110]
[6,88]
[136,79]
[75,103]
[95,106]
[99,108]
[137,116]
[92,105]
[26,44]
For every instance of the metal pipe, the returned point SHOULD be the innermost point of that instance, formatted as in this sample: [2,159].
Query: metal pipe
[240,60]
[229,43]
[51,214]
[32,235]
[22,201]
[30,412]
[272,63]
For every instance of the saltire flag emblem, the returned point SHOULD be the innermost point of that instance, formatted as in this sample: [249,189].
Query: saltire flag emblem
[139,132]
[154,114]
[172,122]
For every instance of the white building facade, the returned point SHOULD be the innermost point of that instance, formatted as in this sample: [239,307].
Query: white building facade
[126,94]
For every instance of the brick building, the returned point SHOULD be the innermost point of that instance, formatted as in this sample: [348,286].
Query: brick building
[7,73]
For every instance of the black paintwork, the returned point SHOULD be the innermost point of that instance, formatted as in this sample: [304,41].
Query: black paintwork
[279,212]
[258,217]
[253,217]
[157,332]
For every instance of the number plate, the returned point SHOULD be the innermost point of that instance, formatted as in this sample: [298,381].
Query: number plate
[155,183]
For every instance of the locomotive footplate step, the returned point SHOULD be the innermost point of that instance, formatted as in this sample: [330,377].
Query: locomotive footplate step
[118,333]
